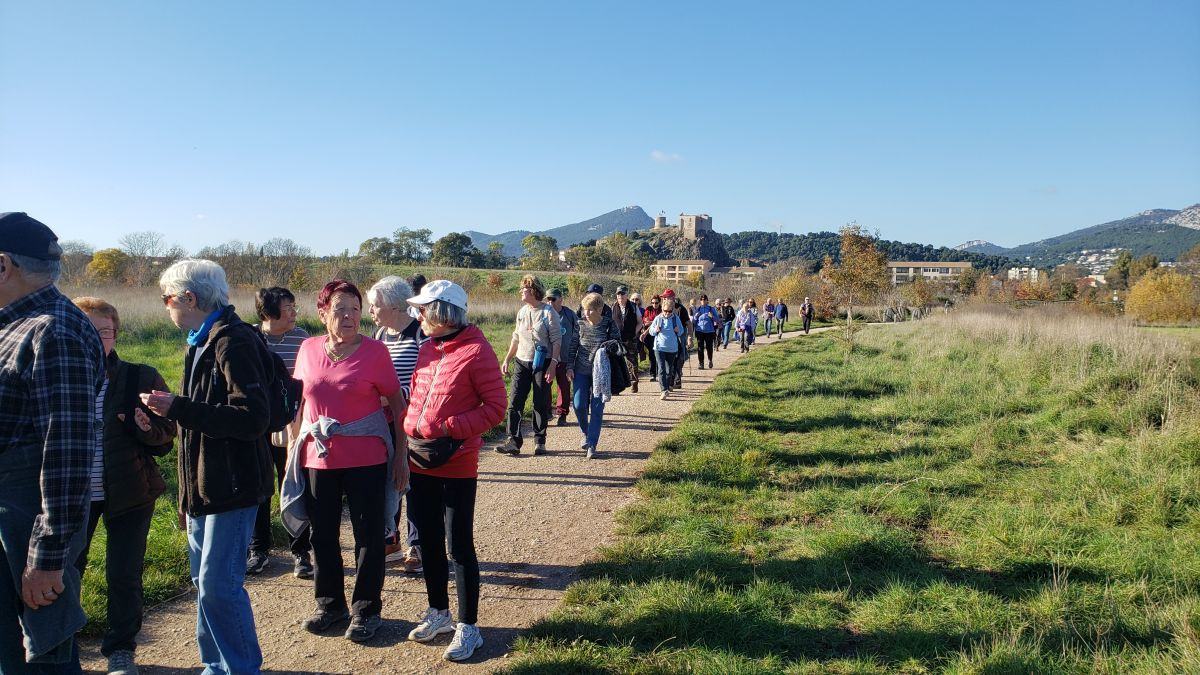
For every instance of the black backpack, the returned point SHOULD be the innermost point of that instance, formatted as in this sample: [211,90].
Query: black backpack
[283,391]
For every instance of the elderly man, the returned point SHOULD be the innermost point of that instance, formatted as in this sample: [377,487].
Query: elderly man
[625,314]
[51,369]
[569,321]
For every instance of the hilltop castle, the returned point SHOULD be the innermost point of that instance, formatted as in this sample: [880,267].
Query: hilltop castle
[692,226]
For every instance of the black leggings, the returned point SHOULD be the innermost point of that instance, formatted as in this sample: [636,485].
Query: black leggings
[525,378]
[435,502]
[705,342]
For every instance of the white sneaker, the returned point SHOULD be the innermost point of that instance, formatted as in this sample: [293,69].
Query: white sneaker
[434,624]
[583,443]
[466,640]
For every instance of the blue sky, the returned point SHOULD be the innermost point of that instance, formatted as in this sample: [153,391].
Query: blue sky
[333,122]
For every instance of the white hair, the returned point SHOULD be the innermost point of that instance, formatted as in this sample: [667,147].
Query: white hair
[390,291]
[37,270]
[203,278]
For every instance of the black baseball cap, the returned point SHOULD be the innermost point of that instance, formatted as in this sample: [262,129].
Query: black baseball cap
[22,235]
[596,288]
[622,290]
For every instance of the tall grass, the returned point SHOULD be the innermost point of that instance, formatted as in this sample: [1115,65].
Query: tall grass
[976,493]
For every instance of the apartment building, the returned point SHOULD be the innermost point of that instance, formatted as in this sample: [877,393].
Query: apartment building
[905,271]
[677,270]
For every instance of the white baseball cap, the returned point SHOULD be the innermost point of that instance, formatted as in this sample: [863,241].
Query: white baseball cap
[440,289]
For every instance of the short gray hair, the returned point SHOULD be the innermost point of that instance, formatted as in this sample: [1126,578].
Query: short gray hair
[445,314]
[390,291]
[36,269]
[203,278]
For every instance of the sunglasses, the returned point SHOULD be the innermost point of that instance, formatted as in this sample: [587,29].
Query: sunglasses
[166,297]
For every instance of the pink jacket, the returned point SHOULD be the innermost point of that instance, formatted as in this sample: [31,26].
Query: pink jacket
[457,391]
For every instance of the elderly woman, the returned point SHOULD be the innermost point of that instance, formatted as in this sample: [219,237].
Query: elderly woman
[401,334]
[668,333]
[345,376]
[224,456]
[458,395]
[125,483]
[644,336]
[594,329]
[535,343]
[276,307]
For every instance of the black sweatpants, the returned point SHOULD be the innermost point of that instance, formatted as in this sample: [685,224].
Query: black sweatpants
[525,378]
[436,502]
[124,561]
[261,539]
[705,342]
[363,487]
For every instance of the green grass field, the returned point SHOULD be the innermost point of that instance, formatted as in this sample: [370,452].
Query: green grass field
[965,495]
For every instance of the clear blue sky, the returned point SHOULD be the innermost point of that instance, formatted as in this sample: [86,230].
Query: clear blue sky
[333,122]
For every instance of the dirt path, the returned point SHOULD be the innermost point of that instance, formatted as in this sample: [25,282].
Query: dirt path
[536,520]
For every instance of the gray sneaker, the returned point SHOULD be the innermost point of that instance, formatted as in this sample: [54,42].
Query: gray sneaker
[509,447]
[363,628]
[466,640]
[434,623]
[121,663]
[540,448]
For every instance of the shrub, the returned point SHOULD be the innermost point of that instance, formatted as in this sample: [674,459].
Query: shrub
[1164,296]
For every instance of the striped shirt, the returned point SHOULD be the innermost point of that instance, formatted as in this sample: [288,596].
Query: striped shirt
[98,457]
[403,348]
[286,345]
[588,339]
[51,366]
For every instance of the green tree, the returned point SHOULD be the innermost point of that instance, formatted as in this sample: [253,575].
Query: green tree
[412,245]
[109,264]
[1139,267]
[862,273]
[455,250]
[379,250]
[495,258]
[1117,276]
[541,252]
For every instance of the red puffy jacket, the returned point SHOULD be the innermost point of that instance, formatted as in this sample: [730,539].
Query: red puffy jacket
[457,390]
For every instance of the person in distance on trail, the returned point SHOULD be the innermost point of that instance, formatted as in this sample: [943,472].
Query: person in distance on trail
[225,467]
[781,316]
[401,334]
[625,314]
[416,282]
[53,367]
[769,315]
[276,308]
[707,321]
[590,370]
[667,331]
[728,314]
[747,323]
[806,313]
[686,338]
[345,448]
[535,344]
[593,288]
[125,483]
[568,321]
[647,340]
[458,395]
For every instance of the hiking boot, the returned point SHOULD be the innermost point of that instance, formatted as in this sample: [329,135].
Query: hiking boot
[363,628]
[434,623]
[540,448]
[509,447]
[562,420]
[324,619]
[466,640]
[256,562]
[412,561]
[303,568]
[121,663]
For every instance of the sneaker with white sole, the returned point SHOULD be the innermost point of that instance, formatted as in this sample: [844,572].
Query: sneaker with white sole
[121,663]
[434,623]
[466,640]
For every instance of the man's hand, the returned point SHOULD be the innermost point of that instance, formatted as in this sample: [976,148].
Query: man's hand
[140,418]
[40,588]
[570,374]
[504,368]
[550,371]
[159,402]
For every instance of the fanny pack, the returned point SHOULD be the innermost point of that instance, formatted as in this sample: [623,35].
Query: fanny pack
[430,453]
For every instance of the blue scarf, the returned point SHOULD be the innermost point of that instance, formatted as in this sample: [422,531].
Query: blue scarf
[200,335]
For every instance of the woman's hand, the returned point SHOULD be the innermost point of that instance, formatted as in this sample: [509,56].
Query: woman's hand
[140,418]
[504,368]
[550,371]
[159,402]
[570,374]
[400,473]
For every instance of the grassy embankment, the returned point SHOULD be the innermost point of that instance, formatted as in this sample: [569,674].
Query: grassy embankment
[970,494]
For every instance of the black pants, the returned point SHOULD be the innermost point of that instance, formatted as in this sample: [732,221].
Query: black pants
[436,502]
[524,378]
[124,558]
[260,541]
[807,321]
[705,342]
[363,488]
[652,357]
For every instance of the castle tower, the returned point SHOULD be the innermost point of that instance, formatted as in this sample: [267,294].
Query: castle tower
[694,226]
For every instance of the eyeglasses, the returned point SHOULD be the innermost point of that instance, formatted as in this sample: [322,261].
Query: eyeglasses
[107,332]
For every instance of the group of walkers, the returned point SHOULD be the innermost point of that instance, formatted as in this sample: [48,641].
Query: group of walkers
[391,425]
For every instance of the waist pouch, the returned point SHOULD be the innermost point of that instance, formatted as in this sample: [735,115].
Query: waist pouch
[430,453]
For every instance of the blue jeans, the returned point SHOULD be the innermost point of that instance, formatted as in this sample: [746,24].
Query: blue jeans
[589,410]
[726,331]
[224,621]
[666,369]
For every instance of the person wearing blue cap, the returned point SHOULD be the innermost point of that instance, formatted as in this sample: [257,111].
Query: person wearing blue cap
[48,435]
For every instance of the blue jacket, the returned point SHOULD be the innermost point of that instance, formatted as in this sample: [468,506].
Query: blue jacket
[666,331]
[706,319]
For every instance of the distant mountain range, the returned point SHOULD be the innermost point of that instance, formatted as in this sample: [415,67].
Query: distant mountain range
[630,218]
[1166,233]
